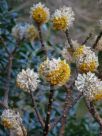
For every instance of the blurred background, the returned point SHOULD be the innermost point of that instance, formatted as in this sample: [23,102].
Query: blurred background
[87,16]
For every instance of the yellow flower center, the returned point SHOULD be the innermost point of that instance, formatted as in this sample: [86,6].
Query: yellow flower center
[98,97]
[86,67]
[7,123]
[59,76]
[32,33]
[60,23]
[78,52]
[39,15]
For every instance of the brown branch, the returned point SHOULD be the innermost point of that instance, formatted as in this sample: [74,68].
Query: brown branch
[7,85]
[94,114]
[69,40]
[9,70]
[41,40]
[97,40]
[71,106]
[68,102]
[87,38]
[47,121]
[36,110]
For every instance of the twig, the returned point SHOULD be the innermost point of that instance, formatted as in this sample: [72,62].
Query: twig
[87,38]
[41,40]
[36,111]
[68,102]
[69,40]
[94,114]
[47,121]
[97,40]
[73,103]
[7,85]
[9,70]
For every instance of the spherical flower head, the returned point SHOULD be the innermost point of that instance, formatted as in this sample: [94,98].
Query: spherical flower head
[63,18]
[10,119]
[31,33]
[40,13]
[86,59]
[27,80]
[18,31]
[55,71]
[90,85]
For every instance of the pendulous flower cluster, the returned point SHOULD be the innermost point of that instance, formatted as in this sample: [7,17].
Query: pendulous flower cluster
[25,31]
[63,18]
[27,80]
[55,71]
[39,13]
[12,120]
[18,31]
[89,85]
[86,59]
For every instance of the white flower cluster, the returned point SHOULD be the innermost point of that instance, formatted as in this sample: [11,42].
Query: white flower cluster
[90,85]
[18,31]
[12,120]
[87,56]
[24,31]
[38,7]
[65,12]
[27,80]
[50,65]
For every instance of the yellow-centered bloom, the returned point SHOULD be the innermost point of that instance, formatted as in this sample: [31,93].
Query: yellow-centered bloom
[10,119]
[40,13]
[90,85]
[31,33]
[86,59]
[55,71]
[63,18]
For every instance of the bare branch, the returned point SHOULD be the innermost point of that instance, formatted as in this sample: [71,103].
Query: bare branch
[68,102]
[69,40]
[94,113]
[97,40]
[47,121]
[36,110]
[71,106]
[87,38]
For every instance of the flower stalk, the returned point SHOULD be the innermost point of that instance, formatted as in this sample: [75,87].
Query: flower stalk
[67,105]
[49,108]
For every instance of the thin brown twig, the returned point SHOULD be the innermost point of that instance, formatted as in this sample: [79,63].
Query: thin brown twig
[59,118]
[94,114]
[87,38]
[97,40]
[68,102]
[47,121]
[7,85]
[41,40]
[69,40]
[9,70]
[36,110]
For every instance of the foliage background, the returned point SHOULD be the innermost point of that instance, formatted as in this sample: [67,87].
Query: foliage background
[88,12]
